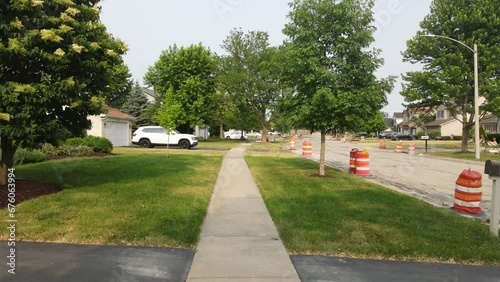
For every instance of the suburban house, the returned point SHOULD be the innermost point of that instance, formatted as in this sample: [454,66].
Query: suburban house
[398,118]
[150,95]
[390,123]
[490,124]
[114,125]
[445,123]
[407,125]
[411,120]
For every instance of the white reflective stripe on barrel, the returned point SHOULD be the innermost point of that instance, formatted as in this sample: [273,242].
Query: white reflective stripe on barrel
[468,204]
[467,189]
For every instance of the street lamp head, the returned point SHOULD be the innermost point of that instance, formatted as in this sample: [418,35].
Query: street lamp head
[452,39]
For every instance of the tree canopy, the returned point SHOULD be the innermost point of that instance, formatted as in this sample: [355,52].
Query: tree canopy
[185,78]
[332,65]
[57,60]
[447,77]
[249,74]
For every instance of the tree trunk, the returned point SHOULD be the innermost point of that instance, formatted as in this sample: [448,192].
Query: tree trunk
[465,132]
[322,153]
[465,139]
[221,130]
[7,159]
[263,138]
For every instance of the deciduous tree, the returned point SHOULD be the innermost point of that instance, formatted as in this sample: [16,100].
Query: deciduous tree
[56,61]
[250,73]
[447,77]
[332,66]
[185,78]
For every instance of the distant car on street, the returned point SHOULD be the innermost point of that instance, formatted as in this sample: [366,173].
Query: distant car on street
[403,136]
[254,134]
[385,134]
[235,135]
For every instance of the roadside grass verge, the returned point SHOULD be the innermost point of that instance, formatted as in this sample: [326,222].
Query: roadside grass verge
[467,156]
[419,144]
[346,216]
[278,144]
[146,199]
[220,143]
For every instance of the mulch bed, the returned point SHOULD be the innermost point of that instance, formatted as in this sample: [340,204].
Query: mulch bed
[26,190]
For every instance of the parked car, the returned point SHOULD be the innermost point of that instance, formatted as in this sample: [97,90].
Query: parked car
[385,134]
[254,134]
[150,136]
[403,136]
[362,134]
[235,134]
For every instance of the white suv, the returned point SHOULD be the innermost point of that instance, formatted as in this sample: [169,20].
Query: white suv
[150,136]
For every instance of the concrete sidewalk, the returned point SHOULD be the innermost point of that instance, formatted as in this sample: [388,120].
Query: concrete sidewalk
[239,241]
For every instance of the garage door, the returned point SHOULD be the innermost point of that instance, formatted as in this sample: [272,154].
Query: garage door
[118,134]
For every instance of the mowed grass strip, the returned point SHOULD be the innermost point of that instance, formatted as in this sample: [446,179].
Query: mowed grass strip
[468,156]
[343,215]
[128,199]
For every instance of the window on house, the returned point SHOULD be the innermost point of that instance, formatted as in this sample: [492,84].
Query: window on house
[440,114]
[492,128]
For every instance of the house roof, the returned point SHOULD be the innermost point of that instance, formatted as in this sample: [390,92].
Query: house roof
[439,122]
[389,122]
[489,119]
[111,112]
[398,115]
[150,92]
[410,124]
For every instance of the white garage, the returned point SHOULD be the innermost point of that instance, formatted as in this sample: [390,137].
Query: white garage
[114,125]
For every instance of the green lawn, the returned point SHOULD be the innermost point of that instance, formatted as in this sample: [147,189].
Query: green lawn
[221,143]
[419,144]
[137,197]
[345,215]
[467,156]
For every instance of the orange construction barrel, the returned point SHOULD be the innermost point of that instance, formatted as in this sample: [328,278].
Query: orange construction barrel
[399,147]
[382,144]
[363,163]
[468,192]
[306,148]
[352,161]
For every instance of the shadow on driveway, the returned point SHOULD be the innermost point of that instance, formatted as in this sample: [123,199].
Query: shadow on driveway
[84,263]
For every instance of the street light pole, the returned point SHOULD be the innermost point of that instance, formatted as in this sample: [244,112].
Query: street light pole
[476,103]
[476,89]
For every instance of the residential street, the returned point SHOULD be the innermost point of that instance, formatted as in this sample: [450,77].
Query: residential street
[429,178]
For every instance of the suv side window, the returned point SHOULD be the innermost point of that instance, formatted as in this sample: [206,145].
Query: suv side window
[158,130]
[147,130]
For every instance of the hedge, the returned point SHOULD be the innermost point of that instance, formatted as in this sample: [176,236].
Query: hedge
[98,144]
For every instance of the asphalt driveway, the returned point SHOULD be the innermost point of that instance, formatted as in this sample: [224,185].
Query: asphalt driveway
[44,262]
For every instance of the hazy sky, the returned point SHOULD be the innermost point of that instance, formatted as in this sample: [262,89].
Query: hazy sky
[149,26]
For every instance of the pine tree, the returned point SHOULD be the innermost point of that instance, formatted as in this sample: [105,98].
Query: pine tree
[136,105]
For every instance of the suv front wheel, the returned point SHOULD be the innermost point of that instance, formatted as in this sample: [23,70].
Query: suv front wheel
[184,144]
